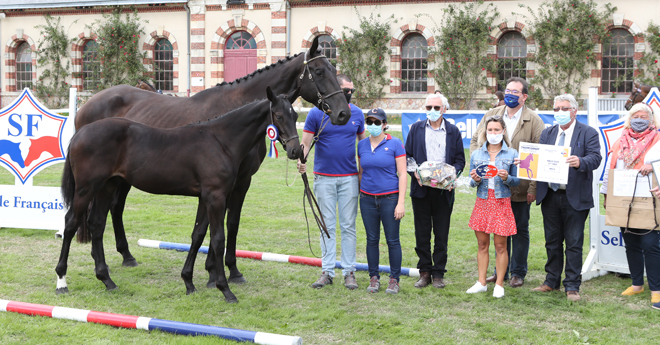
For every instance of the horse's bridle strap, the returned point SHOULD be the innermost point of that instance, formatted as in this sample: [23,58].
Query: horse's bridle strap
[321,97]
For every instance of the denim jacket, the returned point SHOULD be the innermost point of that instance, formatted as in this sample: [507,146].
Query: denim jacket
[503,160]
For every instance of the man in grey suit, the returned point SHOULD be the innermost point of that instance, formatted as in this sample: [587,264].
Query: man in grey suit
[565,207]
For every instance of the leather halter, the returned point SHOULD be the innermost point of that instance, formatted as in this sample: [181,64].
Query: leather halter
[279,137]
[633,96]
[321,104]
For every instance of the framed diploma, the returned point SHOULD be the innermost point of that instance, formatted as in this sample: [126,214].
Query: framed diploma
[656,170]
[540,162]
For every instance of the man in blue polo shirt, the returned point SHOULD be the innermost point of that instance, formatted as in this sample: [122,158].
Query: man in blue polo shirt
[336,183]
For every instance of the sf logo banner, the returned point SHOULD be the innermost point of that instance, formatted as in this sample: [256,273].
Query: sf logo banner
[30,136]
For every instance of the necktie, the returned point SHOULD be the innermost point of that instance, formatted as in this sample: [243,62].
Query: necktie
[562,136]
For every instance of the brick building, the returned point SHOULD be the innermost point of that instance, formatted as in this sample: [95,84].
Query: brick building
[198,43]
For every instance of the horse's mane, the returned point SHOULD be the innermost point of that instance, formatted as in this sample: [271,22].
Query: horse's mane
[228,113]
[273,65]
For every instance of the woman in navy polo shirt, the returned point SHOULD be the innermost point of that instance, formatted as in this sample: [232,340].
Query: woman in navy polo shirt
[383,182]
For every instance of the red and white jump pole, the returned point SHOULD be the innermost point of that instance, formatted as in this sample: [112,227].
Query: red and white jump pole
[412,272]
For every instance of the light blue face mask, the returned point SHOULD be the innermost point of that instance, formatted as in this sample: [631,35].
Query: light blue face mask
[433,115]
[562,117]
[375,130]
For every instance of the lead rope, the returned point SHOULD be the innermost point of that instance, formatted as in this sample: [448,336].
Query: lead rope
[655,217]
[307,194]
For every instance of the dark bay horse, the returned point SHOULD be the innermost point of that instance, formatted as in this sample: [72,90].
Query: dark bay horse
[196,160]
[639,94]
[311,72]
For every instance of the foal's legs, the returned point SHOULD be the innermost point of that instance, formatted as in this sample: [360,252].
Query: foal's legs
[249,166]
[215,203]
[198,234]
[97,220]
[117,211]
[234,205]
[71,222]
[75,216]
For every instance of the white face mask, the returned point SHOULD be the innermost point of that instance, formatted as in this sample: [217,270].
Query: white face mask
[494,139]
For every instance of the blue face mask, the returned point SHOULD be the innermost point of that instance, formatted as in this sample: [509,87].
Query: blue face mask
[562,117]
[511,101]
[375,130]
[433,115]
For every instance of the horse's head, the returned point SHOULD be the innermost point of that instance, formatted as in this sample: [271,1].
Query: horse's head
[636,96]
[284,117]
[320,87]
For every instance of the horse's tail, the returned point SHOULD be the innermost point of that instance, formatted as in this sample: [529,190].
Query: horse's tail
[68,191]
[68,182]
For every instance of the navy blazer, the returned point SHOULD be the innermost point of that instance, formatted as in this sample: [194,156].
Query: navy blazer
[416,148]
[586,146]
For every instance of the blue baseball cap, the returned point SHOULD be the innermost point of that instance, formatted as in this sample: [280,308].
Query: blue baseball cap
[377,113]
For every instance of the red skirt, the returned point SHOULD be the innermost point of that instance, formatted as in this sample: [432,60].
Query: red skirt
[493,216]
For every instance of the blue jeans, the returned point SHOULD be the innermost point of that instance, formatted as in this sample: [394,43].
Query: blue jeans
[341,192]
[374,210]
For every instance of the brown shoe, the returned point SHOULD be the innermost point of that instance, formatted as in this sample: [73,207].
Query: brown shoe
[543,288]
[516,282]
[491,279]
[438,283]
[324,280]
[573,295]
[350,282]
[424,279]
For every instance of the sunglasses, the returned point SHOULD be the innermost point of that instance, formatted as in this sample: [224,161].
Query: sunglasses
[374,122]
[437,107]
[494,117]
[347,90]
[562,109]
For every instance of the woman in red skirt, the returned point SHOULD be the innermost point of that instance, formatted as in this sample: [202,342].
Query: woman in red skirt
[493,172]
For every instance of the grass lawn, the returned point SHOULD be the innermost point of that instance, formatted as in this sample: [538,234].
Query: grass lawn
[278,298]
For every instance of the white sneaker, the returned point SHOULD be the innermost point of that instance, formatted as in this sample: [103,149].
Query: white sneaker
[498,291]
[477,287]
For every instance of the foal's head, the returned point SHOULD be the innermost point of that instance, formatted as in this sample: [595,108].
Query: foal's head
[284,117]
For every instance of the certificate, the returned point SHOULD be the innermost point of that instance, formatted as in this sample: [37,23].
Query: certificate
[656,170]
[625,180]
[547,163]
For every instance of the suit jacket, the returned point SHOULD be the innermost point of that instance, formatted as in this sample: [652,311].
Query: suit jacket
[586,146]
[528,130]
[416,148]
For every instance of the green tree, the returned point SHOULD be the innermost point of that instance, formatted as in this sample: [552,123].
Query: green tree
[118,40]
[462,43]
[648,70]
[565,32]
[362,54]
[54,64]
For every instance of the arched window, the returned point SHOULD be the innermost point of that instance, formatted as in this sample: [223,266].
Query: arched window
[241,40]
[23,66]
[91,66]
[617,67]
[163,65]
[511,58]
[414,63]
[328,48]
